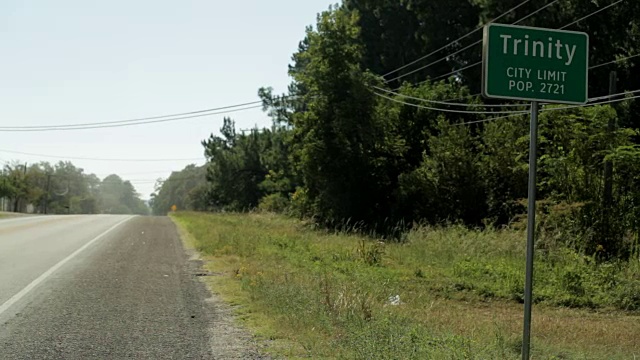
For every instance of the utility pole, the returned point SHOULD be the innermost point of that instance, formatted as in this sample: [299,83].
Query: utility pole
[26,186]
[18,200]
[46,199]
[68,187]
[2,204]
[607,196]
[608,166]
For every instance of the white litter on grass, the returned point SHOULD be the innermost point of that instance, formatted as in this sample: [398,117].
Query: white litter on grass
[394,300]
[143,233]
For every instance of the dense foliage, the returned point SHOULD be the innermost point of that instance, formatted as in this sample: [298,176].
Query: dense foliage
[63,188]
[342,155]
[186,189]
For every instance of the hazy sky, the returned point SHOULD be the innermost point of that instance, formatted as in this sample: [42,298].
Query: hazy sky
[78,61]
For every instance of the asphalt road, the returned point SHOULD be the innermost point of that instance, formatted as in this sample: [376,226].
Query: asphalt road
[99,287]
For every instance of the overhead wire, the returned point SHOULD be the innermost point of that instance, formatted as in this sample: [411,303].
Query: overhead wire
[615,61]
[134,120]
[447,103]
[593,13]
[449,110]
[444,102]
[563,108]
[613,95]
[94,159]
[480,62]
[478,28]
[512,112]
[138,173]
[434,62]
[535,12]
[472,44]
[591,68]
[167,179]
[115,125]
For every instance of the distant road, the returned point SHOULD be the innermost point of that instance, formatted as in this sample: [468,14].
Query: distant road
[98,287]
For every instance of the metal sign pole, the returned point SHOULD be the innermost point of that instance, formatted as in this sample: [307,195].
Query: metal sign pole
[531,228]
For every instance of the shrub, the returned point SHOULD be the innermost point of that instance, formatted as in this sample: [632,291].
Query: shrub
[274,203]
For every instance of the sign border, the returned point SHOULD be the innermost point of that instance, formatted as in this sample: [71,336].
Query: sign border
[485,66]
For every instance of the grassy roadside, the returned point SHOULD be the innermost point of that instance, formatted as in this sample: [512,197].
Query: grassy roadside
[316,294]
[7,215]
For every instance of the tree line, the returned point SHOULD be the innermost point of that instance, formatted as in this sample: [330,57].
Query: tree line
[63,188]
[340,154]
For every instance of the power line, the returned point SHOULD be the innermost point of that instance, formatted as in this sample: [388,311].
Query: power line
[615,61]
[613,95]
[478,94]
[446,103]
[466,47]
[601,102]
[450,110]
[27,129]
[435,62]
[451,73]
[131,120]
[147,181]
[123,180]
[591,68]
[464,97]
[511,112]
[454,71]
[137,173]
[96,159]
[593,13]
[486,120]
[480,62]
[535,12]
[478,28]
[562,108]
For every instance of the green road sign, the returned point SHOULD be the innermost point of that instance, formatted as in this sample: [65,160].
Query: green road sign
[524,63]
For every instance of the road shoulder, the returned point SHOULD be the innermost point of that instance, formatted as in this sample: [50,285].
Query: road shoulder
[229,339]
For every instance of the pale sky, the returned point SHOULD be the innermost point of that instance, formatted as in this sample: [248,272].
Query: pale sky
[78,61]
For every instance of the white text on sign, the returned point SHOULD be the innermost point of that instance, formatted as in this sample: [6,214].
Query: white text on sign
[537,48]
[546,75]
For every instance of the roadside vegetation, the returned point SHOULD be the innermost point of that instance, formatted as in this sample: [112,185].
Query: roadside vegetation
[440,293]
[340,153]
[392,191]
[63,188]
[5,215]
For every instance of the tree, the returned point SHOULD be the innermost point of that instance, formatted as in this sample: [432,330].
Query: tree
[119,197]
[342,142]
[187,189]
[63,188]
[339,153]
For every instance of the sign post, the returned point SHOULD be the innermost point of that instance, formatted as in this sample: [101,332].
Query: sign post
[537,65]
[531,228]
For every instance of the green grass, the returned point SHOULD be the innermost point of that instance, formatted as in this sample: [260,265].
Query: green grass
[5,215]
[326,295]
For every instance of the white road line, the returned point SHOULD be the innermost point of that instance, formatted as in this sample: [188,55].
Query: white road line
[15,298]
